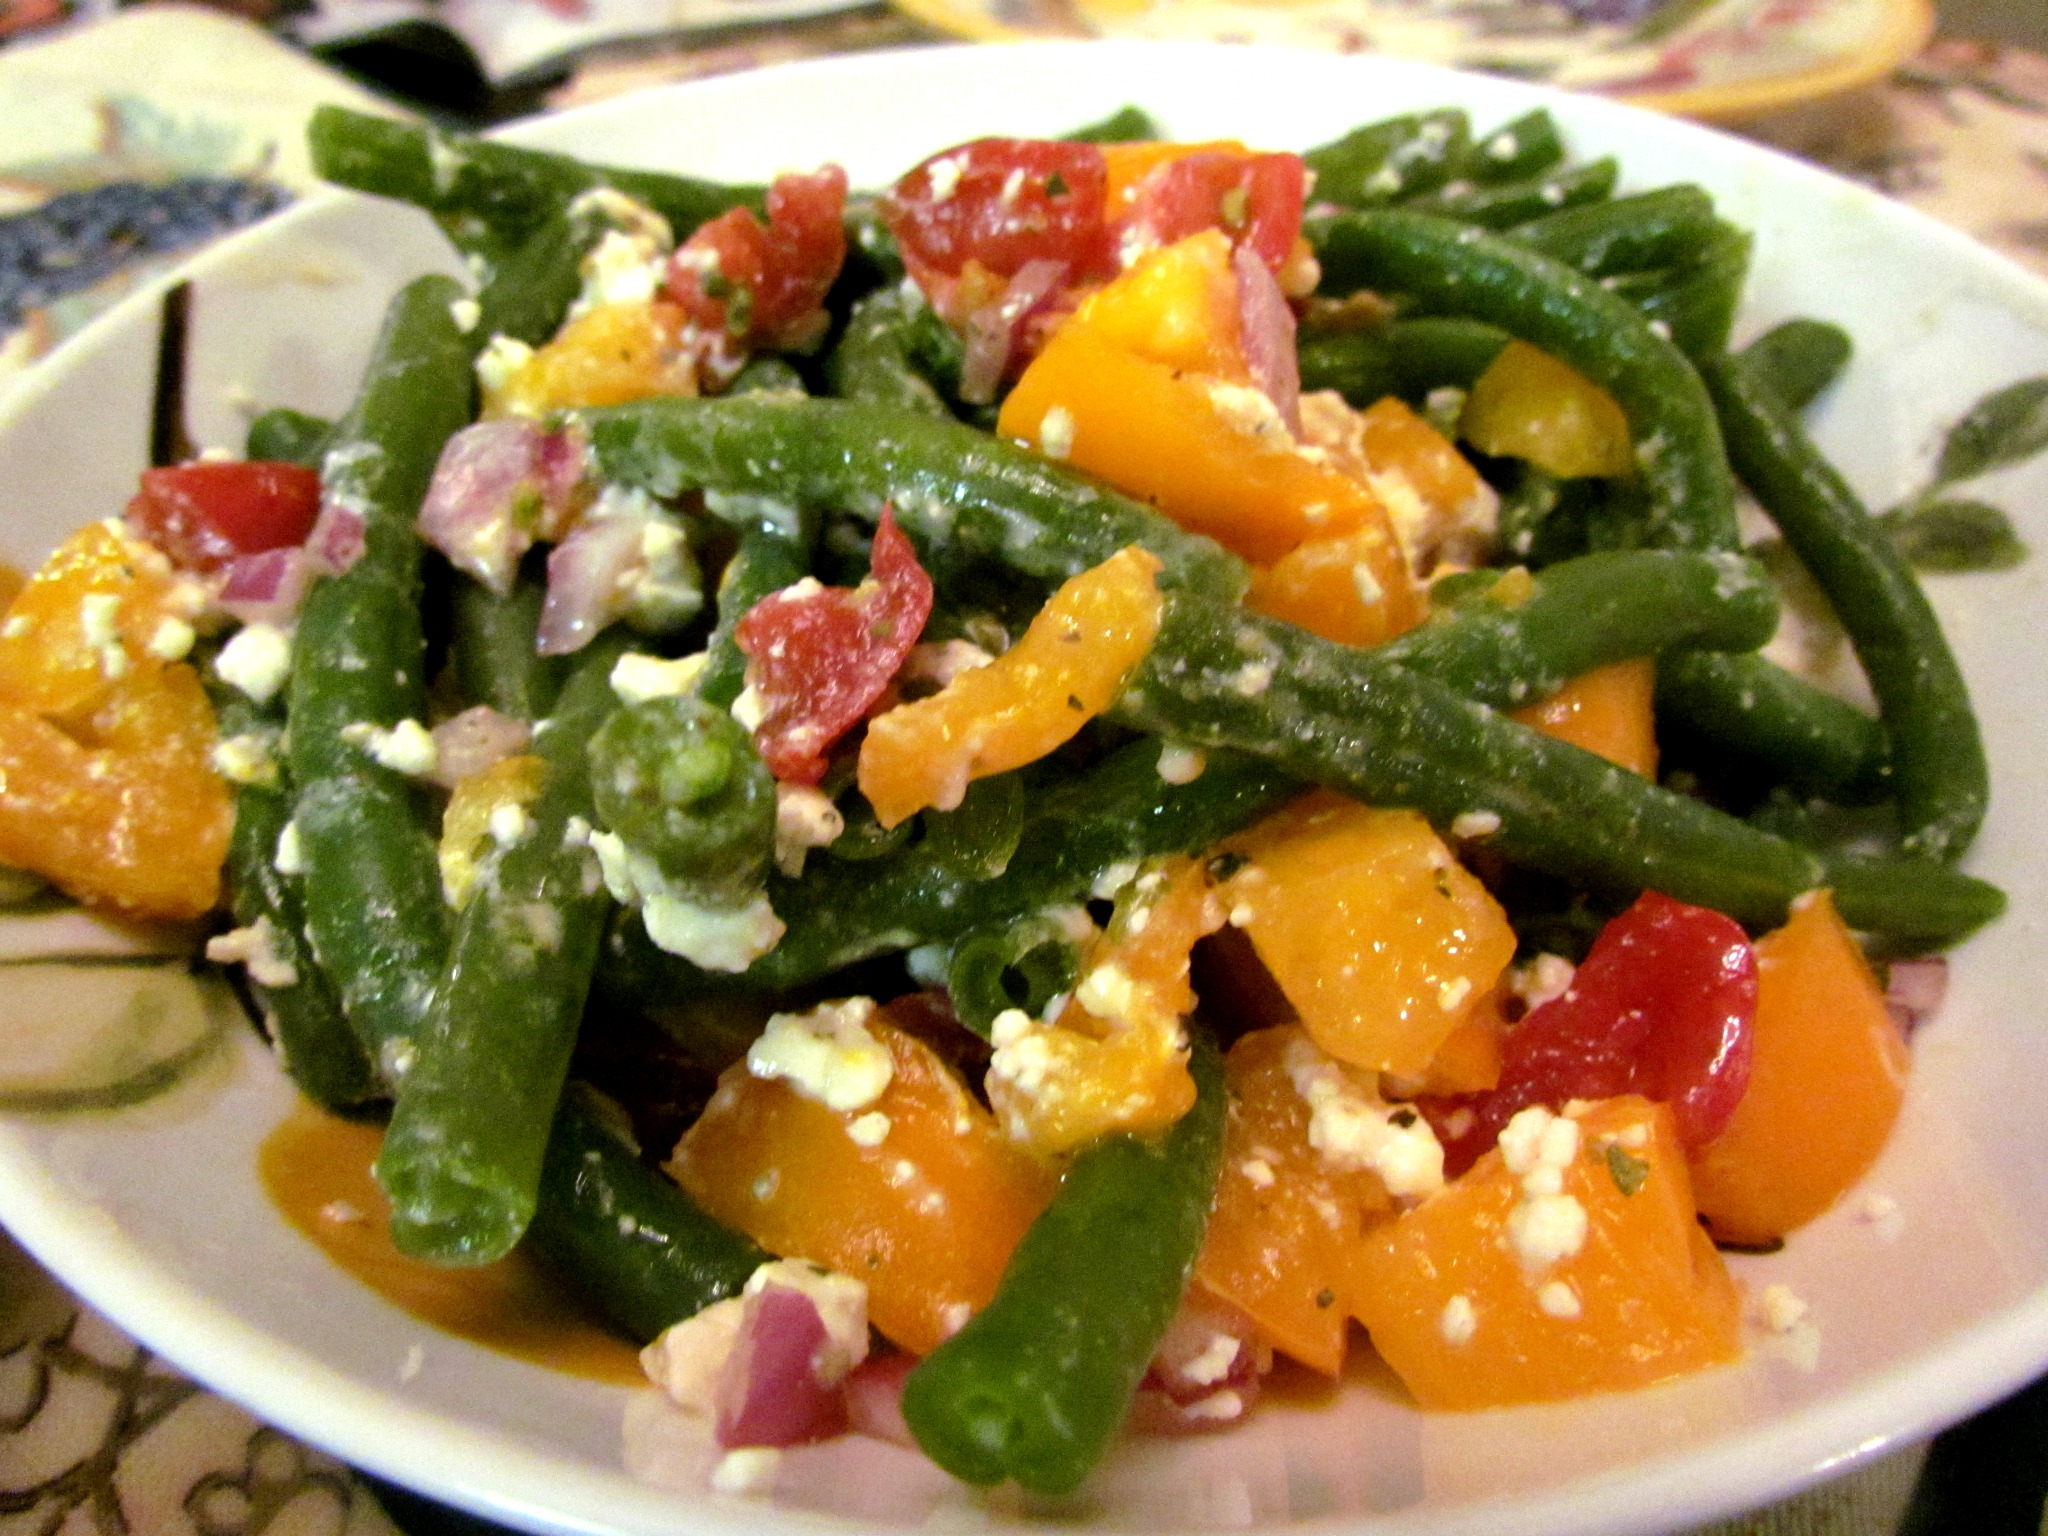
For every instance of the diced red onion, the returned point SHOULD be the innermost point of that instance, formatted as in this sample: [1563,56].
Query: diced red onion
[874,1399]
[472,506]
[1915,991]
[336,542]
[1266,324]
[769,1393]
[266,588]
[587,575]
[992,330]
[1205,1374]
[472,741]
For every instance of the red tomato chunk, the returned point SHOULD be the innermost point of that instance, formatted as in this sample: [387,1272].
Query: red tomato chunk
[765,286]
[204,515]
[1003,203]
[1663,1007]
[819,657]
[1254,199]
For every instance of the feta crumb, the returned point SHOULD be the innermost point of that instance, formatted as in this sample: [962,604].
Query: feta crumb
[1258,1172]
[1181,765]
[805,818]
[1354,1128]
[1113,879]
[869,1130]
[826,1054]
[290,857]
[502,357]
[244,759]
[1545,1229]
[636,678]
[953,1317]
[1108,992]
[1473,824]
[1214,1362]
[1554,1298]
[725,939]
[1781,1308]
[339,1213]
[253,948]
[750,1469]
[257,661]
[1219,1406]
[465,312]
[509,823]
[1457,1322]
[1451,996]
[1056,432]
[750,708]
[1542,980]
[407,747]
[1252,679]
[99,614]
[943,178]
[173,639]
[1249,410]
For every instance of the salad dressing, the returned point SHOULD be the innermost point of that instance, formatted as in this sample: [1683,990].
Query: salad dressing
[315,1168]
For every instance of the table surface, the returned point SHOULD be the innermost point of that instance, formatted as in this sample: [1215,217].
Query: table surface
[94,1432]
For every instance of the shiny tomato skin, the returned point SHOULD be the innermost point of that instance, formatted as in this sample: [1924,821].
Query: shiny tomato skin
[1255,199]
[1663,1006]
[206,513]
[784,267]
[819,657]
[963,205]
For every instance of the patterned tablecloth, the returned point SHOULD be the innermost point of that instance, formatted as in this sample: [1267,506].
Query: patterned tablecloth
[155,129]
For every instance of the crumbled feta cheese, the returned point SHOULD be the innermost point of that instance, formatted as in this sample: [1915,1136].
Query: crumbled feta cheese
[509,823]
[1782,1308]
[750,1469]
[935,666]
[290,857]
[502,357]
[99,615]
[1257,1172]
[244,759]
[465,312]
[750,708]
[1542,980]
[1353,1127]
[1107,992]
[1451,996]
[1252,679]
[620,269]
[826,1054]
[1056,432]
[686,1359]
[257,661]
[868,1130]
[1249,410]
[253,948]
[1457,1322]
[1214,1362]
[805,818]
[173,639]
[407,747]
[1554,1298]
[1544,1229]
[942,177]
[1113,879]
[717,938]
[1181,765]
[1547,1225]
[1472,824]
[637,677]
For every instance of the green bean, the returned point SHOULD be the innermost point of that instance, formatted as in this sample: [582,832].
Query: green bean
[285,436]
[872,361]
[1502,205]
[373,888]
[767,374]
[534,280]
[1647,231]
[1409,358]
[1587,613]
[629,1239]
[303,1017]
[1037,1384]
[492,646]
[1938,767]
[1696,304]
[462,1158]
[1126,125]
[768,559]
[1383,162]
[1462,270]
[487,195]
[945,480]
[1813,741]
[1528,146]
[1020,963]
[1218,677]
[681,782]
[1799,358]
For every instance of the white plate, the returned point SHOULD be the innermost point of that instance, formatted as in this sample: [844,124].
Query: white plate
[156,1217]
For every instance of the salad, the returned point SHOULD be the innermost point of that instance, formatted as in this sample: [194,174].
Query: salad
[1106,702]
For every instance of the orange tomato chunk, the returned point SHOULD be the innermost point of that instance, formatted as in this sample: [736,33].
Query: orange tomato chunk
[1176,305]
[1606,711]
[1825,1083]
[926,1213]
[1353,589]
[1468,1321]
[91,615]
[1283,1240]
[607,356]
[1528,405]
[1116,1058]
[1028,701]
[1380,939]
[466,822]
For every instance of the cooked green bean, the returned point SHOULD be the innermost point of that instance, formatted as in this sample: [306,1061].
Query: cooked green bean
[1037,1384]
[1813,741]
[1528,146]
[628,1238]
[769,558]
[1503,205]
[491,647]
[1408,358]
[462,1158]
[1938,769]
[373,889]
[1695,304]
[1126,125]
[1383,162]
[1462,270]
[1645,232]
[285,436]
[872,361]
[1800,358]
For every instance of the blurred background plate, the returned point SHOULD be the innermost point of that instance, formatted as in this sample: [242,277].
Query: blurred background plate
[1719,59]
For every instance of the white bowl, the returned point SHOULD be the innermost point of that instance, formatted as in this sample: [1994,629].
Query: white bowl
[155,1215]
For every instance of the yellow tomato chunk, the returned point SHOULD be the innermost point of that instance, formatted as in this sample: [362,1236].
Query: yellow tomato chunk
[513,782]
[1501,1291]
[1825,1084]
[1176,306]
[1606,711]
[917,1194]
[1380,939]
[608,356]
[1027,702]
[1528,405]
[1353,589]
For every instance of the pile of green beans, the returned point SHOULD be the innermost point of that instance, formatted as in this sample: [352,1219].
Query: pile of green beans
[466,1021]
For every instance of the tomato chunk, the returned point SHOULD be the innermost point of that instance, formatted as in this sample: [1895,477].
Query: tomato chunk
[1255,199]
[1002,203]
[1662,1007]
[818,657]
[205,514]
[765,285]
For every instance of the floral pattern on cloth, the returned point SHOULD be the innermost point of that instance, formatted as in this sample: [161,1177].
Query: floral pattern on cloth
[98,1437]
